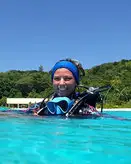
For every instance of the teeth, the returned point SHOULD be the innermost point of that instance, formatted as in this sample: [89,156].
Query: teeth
[63,88]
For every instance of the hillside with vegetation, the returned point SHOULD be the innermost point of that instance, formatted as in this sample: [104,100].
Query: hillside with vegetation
[36,83]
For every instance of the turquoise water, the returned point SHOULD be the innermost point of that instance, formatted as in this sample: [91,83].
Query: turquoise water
[4,108]
[51,140]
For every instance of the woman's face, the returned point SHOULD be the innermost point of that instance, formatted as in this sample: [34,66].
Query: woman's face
[64,82]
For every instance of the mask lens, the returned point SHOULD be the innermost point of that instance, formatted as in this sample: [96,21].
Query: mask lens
[59,106]
[63,105]
[51,107]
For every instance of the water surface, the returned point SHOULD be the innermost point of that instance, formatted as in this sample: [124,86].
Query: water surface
[49,140]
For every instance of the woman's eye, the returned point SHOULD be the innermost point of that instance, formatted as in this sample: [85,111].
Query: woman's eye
[56,78]
[64,78]
[67,78]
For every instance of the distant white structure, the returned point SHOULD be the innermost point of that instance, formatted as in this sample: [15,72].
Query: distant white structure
[22,102]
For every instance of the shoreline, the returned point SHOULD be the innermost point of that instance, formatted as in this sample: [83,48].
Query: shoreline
[116,109]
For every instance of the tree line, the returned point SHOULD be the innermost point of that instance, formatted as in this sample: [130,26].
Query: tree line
[37,83]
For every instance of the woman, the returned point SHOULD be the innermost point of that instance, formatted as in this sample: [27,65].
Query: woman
[65,76]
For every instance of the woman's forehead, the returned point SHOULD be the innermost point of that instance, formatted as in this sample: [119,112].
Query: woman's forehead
[62,71]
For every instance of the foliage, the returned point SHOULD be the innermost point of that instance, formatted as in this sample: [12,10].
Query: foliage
[35,83]
[41,69]
[118,75]
[3,101]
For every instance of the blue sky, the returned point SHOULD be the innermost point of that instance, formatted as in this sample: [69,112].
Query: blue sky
[40,32]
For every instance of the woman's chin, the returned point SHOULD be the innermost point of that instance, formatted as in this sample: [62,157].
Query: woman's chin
[62,94]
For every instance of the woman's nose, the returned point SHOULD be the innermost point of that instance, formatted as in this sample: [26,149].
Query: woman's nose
[62,81]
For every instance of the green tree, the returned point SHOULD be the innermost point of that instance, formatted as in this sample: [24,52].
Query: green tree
[41,69]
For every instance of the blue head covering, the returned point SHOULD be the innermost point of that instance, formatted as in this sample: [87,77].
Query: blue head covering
[68,65]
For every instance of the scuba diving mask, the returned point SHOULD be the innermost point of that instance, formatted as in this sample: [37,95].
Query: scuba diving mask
[59,105]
